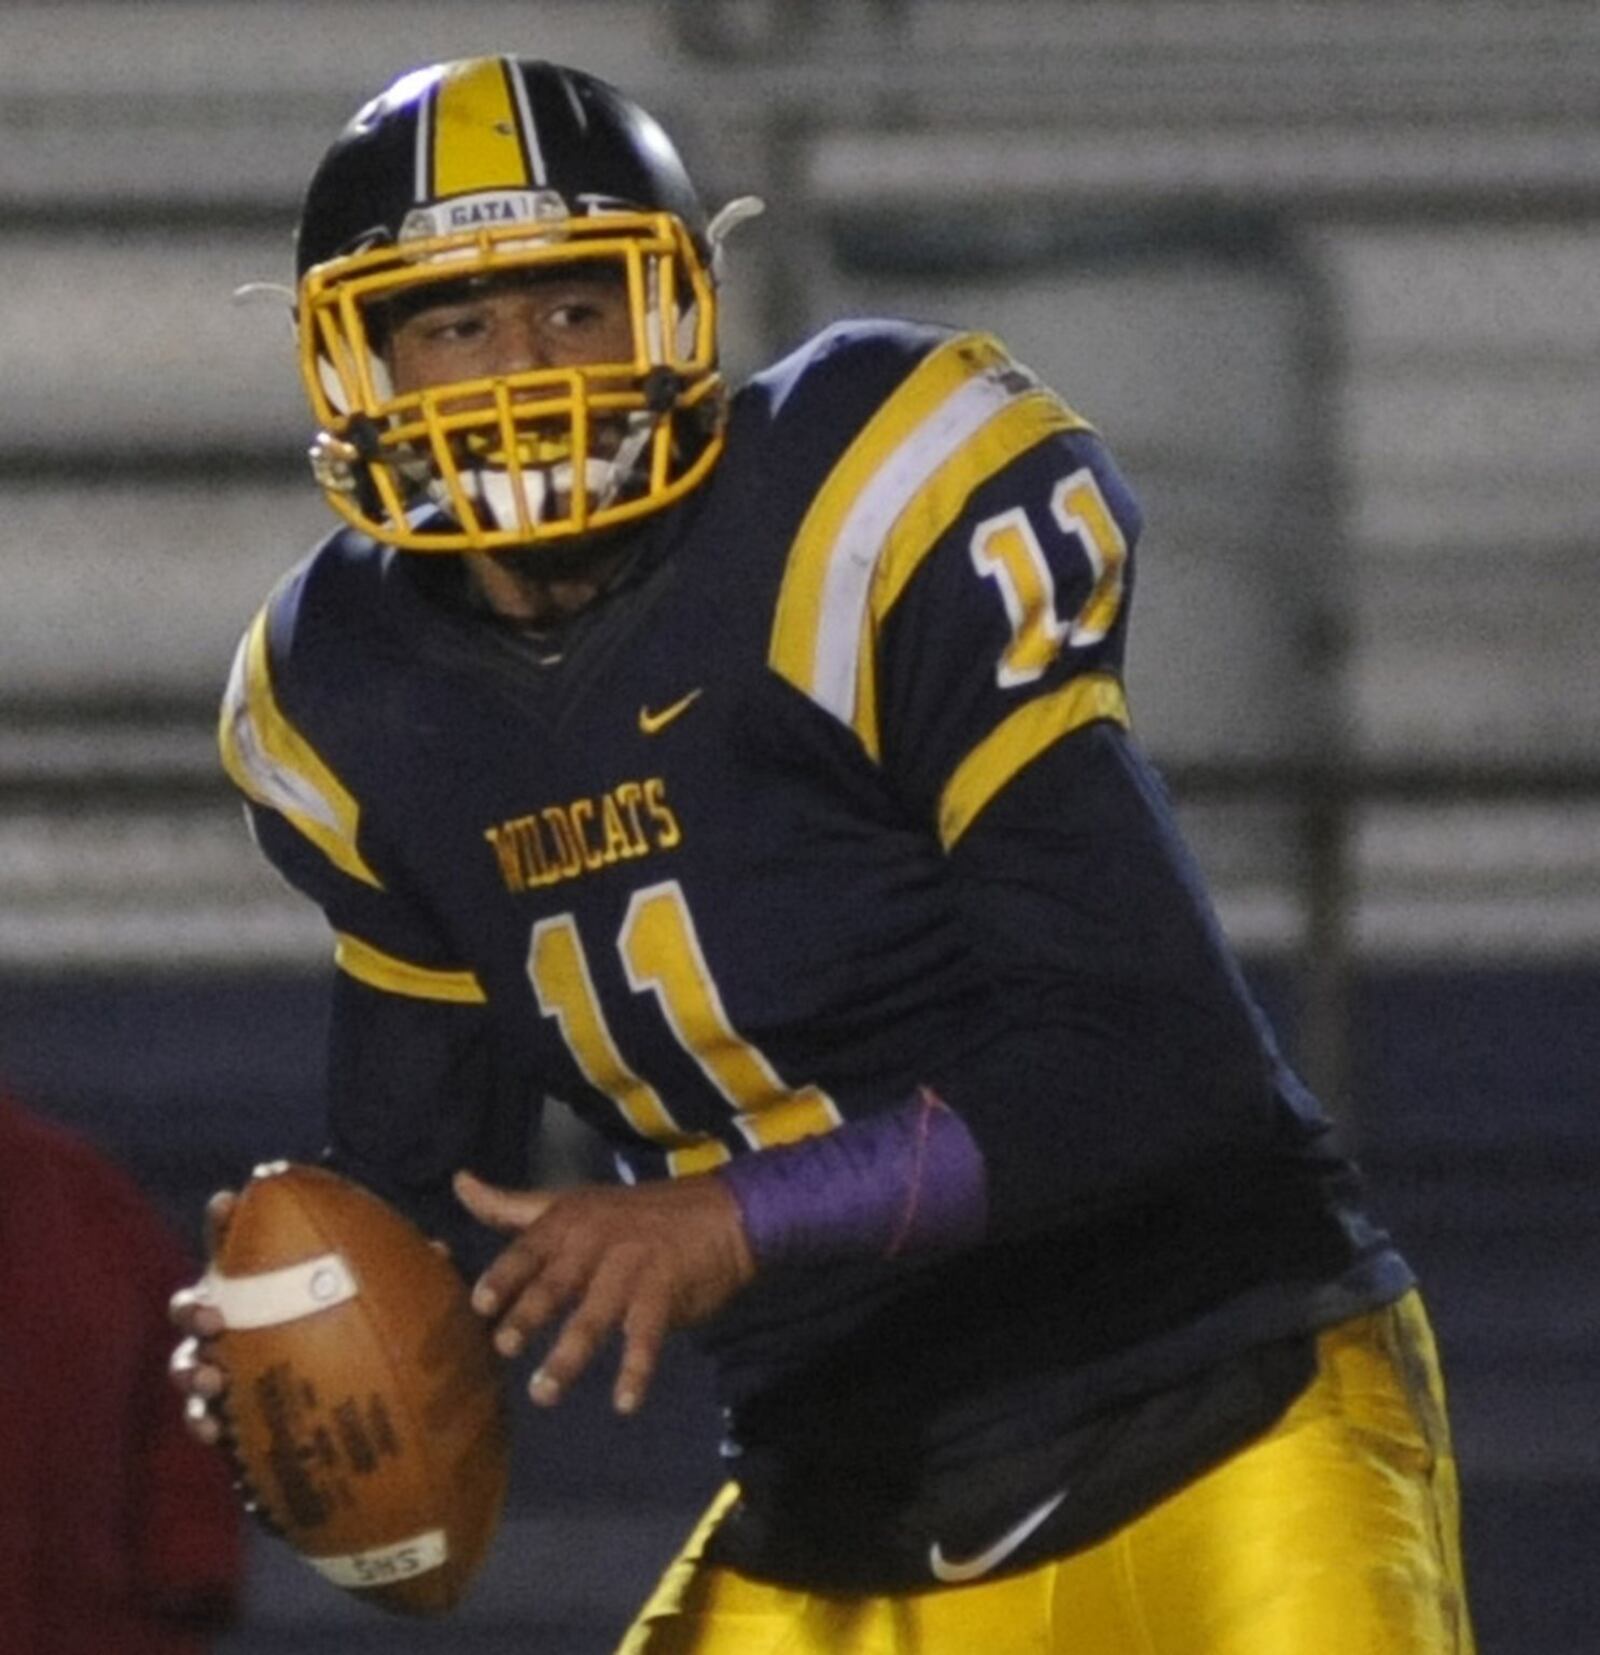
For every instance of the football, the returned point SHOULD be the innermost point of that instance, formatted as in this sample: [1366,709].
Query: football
[365,1410]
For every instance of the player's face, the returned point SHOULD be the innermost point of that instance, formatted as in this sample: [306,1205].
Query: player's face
[564,320]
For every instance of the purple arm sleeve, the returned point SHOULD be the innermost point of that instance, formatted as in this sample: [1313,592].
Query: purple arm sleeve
[908,1181]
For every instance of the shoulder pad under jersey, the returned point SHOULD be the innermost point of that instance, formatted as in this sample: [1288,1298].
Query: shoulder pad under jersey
[287,730]
[813,404]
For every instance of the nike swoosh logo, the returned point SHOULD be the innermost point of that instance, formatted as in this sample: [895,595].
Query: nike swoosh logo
[956,1570]
[650,722]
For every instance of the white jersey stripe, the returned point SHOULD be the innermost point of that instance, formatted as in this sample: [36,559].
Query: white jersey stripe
[271,783]
[272,763]
[864,534]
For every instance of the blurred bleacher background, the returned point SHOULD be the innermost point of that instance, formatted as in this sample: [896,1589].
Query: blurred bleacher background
[1328,276]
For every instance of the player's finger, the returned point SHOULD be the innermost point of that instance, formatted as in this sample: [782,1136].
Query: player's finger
[532,1254]
[191,1309]
[219,1209]
[200,1384]
[508,1274]
[200,1422]
[183,1362]
[537,1299]
[599,1312]
[644,1332]
[190,1370]
[500,1209]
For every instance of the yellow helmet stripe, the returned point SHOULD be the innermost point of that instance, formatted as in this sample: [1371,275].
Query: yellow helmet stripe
[272,763]
[372,966]
[477,131]
[1019,739]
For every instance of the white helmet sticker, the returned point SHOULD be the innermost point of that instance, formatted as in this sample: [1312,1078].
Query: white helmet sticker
[480,209]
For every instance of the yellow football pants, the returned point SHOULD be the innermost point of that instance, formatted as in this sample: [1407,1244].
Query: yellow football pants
[1335,1533]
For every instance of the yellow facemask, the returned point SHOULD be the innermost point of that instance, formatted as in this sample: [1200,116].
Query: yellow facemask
[528,457]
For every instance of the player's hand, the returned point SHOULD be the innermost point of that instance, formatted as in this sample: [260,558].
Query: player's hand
[641,1260]
[193,1367]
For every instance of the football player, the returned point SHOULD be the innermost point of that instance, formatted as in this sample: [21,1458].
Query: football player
[751,770]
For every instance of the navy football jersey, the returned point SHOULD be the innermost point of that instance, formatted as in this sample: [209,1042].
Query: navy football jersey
[832,797]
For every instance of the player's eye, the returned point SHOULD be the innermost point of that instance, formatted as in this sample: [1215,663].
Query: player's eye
[450,328]
[577,314]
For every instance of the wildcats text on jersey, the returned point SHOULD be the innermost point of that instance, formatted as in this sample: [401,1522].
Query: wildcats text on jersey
[566,841]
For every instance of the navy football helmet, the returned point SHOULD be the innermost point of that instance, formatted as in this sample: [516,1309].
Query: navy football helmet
[485,171]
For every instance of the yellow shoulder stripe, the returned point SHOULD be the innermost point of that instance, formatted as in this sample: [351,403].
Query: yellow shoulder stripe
[1017,427]
[962,414]
[1021,738]
[272,763]
[798,620]
[931,510]
[395,976]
